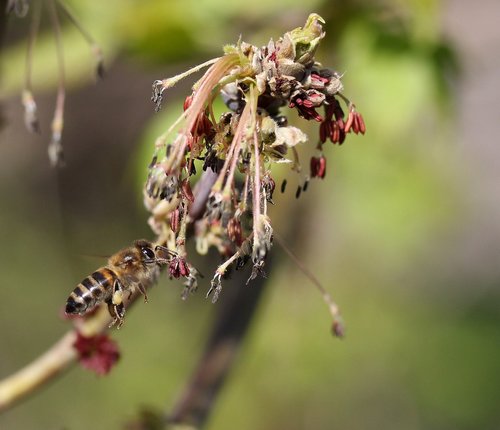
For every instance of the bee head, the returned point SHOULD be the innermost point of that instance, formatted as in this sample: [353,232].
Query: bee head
[148,255]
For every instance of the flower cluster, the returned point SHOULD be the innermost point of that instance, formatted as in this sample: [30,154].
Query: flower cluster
[237,150]
[98,353]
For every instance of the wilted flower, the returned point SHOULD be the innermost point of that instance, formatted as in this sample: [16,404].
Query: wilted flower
[98,353]
[257,86]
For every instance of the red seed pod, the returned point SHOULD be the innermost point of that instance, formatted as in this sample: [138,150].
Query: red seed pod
[355,123]
[174,220]
[314,167]
[322,132]
[361,123]
[335,133]
[340,123]
[186,190]
[341,136]
[207,125]
[183,267]
[178,267]
[187,102]
[321,167]
[329,110]
[349,122]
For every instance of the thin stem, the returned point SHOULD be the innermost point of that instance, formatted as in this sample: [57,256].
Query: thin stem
[34,26]
[55,148]
[242,250]
[256,196]
[94,47]
[327,298]
[28,100]
[170,82]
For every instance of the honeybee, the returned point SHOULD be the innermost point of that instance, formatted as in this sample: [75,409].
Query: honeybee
[135,267]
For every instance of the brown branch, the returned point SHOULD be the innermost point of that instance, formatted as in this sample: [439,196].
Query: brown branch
[236,309]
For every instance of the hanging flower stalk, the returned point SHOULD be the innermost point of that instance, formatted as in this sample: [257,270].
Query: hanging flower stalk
[242,145]
[21,9]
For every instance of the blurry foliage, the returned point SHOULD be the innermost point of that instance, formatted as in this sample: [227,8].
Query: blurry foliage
[419,353]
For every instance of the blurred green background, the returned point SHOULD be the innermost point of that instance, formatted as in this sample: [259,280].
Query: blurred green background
[403,231]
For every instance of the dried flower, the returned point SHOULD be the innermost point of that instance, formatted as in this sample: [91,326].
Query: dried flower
[98,353]
[257,85]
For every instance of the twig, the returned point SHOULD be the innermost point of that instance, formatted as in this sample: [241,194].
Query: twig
[94,47]
[338,325]
[37,373]
[55,147]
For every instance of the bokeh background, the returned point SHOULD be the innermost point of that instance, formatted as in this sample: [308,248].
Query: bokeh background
[403,231]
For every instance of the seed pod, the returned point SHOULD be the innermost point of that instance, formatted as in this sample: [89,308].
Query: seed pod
[314,167]
[186,190]
[322,132]
[362,126]
[283,186]
[349,122]
[174,220]
[321,167]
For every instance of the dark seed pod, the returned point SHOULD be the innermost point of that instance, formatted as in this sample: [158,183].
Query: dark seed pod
[283,186]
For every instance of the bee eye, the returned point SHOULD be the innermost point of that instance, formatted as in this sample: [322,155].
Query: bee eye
[148,253]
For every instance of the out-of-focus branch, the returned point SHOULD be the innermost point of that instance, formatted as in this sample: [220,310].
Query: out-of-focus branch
[37,373]
[236,310]
[55,360]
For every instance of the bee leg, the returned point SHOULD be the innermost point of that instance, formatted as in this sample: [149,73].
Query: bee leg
[142,289]
[135,281]
[118,314]
[116,307]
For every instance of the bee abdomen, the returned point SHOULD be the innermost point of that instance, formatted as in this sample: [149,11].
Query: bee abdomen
[91,291]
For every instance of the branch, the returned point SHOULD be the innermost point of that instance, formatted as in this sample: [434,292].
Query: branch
[235,312]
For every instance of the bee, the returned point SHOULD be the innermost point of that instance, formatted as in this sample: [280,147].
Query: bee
[135,267]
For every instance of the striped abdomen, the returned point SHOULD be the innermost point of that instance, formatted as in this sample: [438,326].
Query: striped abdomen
[92,290]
